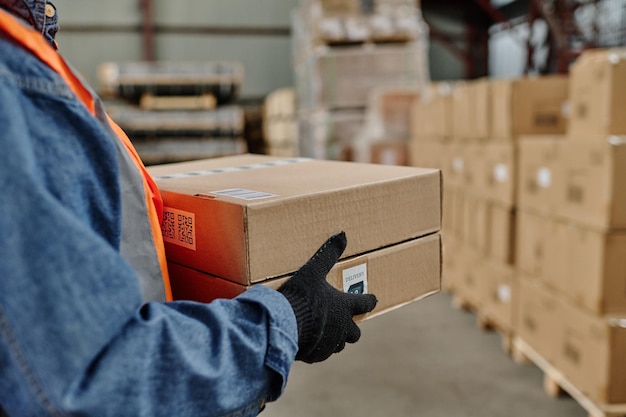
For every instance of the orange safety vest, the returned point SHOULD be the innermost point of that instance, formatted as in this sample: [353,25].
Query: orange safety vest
[32,41]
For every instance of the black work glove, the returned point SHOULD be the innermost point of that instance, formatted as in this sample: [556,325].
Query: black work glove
[324,314]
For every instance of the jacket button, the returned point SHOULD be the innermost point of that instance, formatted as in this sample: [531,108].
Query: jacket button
[50,11]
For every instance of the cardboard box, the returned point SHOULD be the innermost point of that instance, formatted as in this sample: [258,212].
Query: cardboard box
[584,265]
[499,295]
[441,114]
[344,77]
[598,94]
[501,232]
[329,135]
[588,349]
[397,275]
[591,354]
[594,191]
[498,173]
[541,175]
[538,322]
[480,109]
[463,166]
[462,108]
[451,266]
[476,223]
[253,217]
[422,112]
[528,106]
[469,284]
[427,155]
[390,153]
[392,107]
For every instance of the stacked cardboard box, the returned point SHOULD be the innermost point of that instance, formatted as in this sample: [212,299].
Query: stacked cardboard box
[384,137]
[280,125]
[335,78]
[176,111]
[234,222]
[534,223]
[572,226]
[471,131]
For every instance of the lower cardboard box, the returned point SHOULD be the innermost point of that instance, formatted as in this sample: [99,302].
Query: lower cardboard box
[585,265]
[397,275]
[587,348]
[499,294]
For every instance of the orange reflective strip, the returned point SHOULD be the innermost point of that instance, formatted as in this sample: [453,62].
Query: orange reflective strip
[37,45]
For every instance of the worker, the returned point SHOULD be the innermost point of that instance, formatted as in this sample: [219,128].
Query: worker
[87,324]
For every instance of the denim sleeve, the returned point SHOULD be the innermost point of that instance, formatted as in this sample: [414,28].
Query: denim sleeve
[75,338]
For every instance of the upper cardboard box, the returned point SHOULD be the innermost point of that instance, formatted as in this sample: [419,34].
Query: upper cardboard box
[596,94]
[249,218]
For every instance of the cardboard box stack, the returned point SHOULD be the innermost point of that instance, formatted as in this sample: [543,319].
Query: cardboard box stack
[176,111]
[342,51]
[234,222]
[384,137]
[280,124]
[471,130]
[534,225]
[572,223]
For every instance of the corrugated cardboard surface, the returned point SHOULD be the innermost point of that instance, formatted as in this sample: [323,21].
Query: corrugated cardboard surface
[397,275]
[501,232]
[597,99]
[499,294]
[498,174]
[540,173]
[575,180]
[476,223]
[390,153]
[587,348]
[584,265]
[594,191]
[528,106]
[480,109]
[248,241]
[537,319]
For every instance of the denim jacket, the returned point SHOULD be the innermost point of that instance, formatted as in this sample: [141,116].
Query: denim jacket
[76,337]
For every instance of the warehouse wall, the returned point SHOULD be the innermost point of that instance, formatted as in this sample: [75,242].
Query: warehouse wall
[257,35]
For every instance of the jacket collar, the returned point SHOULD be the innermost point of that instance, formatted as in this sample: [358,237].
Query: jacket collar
[37,13]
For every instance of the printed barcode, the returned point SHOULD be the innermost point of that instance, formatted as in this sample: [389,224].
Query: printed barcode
[178,227]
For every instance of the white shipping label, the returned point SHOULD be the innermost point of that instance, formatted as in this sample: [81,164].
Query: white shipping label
[243,194]
[504,294]
[544,177]
[179,227]
[355,279]
[458,164]
[501,173]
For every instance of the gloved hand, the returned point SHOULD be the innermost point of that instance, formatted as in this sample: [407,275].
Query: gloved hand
[324,314]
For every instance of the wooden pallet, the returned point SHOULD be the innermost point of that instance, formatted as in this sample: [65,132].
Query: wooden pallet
[200,102]
[555,383]
[484,322]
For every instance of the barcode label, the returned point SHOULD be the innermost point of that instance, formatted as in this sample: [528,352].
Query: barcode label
[243,194]
[178,227]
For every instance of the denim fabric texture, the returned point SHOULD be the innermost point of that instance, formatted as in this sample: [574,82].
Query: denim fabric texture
[75,336]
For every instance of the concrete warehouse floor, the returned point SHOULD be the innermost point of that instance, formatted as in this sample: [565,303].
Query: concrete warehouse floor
[425,359]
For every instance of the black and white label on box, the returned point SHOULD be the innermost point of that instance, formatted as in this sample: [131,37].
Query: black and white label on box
[355,279]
